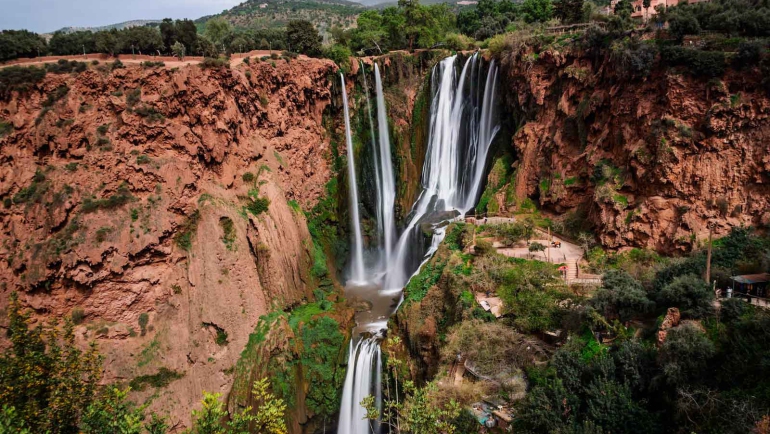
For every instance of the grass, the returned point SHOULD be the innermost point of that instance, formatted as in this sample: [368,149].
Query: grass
[295,206]
[77,316]
[162,378]
[143,159]
[148,353]
[102,233]
[183,237]
[144,319]
[5,128]
[258,205]
[121,197]
[229,235]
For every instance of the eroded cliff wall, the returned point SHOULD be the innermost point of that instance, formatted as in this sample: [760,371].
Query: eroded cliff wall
[648,161]
[134,202]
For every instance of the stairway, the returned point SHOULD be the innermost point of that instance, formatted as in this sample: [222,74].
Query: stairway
[572,269]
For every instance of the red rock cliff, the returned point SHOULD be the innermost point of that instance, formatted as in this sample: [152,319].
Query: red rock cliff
[124,203]
[653,160]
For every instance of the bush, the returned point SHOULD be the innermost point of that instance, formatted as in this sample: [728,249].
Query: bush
[690,294]
[749,54]
[248,177]
[144,319]
[621,296]
[484,247]
[246,60]
[121,197]
[5,128]
[117,64]
[65,67]
[150,113]
[77,316]
[19,79]
[151,64]
[162,378]
[459,42]
[258,205]
[685,354]
[215,63]
[732,309]
[340,54]
[183,237]
[700,63]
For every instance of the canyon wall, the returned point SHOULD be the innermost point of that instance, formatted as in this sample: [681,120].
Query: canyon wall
[161,209]
[649,162]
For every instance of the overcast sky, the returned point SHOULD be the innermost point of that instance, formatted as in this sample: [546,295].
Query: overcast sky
[48,15]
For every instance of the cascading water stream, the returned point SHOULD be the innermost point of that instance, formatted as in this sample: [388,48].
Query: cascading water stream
[387,195]
[375,158]
[463,124]
[357,249]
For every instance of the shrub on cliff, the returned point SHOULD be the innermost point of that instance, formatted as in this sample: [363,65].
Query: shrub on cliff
[215,63]
[700,63]
[20,79]
[340,55]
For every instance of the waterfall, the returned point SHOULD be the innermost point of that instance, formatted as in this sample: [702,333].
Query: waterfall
[463,124]
[362,379]
[375,157]
[357,249]
[387,184]
[462,127]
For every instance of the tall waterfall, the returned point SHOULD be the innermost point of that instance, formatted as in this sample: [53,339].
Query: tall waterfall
[387,184]
[462,126]
[375,158]
[362,379]
[463,123]
[357,249]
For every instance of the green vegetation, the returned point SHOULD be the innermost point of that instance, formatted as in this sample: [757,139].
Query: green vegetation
[162,378]
[5,128]
[228,232]
[144,319]
[150,113]
[35,192]
[121,197]
[186,231]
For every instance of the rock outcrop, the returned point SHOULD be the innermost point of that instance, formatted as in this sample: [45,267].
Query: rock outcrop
[135,199]
[651,161]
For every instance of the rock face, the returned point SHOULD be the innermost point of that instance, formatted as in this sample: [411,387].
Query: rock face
[651,160]
[125,202]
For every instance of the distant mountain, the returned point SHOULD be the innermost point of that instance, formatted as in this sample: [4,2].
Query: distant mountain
[119,26]
[264,14]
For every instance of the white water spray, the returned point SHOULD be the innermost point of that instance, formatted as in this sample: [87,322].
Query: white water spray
[357,249]
[387,184]
[364,372]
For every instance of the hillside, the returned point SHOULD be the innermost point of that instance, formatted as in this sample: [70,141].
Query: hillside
[117,26]
[265,14]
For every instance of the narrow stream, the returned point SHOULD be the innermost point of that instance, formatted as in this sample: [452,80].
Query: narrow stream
[463,123]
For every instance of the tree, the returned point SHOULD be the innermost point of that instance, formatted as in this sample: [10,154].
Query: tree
[690,294]
[268,418]
[621,296]
[108,42]
[369,31]
[178,49]
[144,39]
[685,355]
[624,9]
[186,33]
[168,32]
[44,376]
[240,44]
[112,413]
[680,24]
[568,11]
[531,292]
[537,10]
[204,47]
[303,37]
[20,43]
[646,5]
[536,247]
[216,30]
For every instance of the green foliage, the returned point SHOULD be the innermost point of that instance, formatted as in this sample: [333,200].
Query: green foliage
[187,230]
[322,341]
[150,113]
[35,191]
[531,291]
[144,319]
[537,10]
[43,374]
[621,296]
[121,197]
[228,232]
[77,315]
[5,128]
[690,294]
[257,205]
[111,412]
[214,63]
[302,37]
[248,177]
[143,159]
[700,63]
[418,286]
[19,79]
[685,354]
[217,30]
[162,378]
[340,54]
[20,43]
